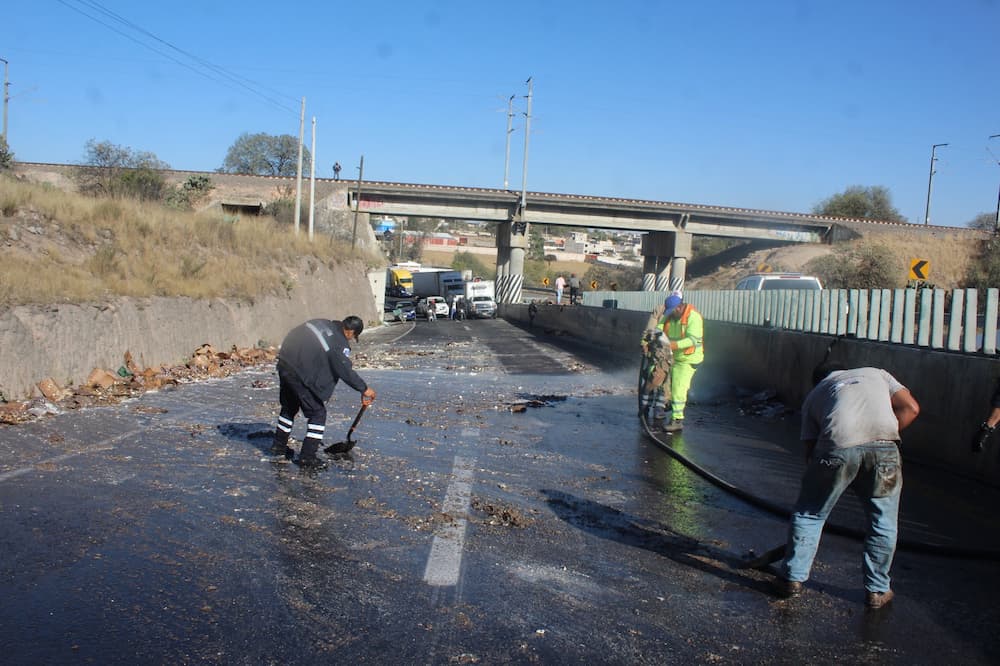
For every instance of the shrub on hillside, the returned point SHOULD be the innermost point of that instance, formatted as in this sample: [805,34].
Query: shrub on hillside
[6,157]
[858,266]
[189,193]
[628,278]
[984,271]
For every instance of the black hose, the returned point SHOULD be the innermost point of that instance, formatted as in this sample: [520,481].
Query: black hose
[782,512]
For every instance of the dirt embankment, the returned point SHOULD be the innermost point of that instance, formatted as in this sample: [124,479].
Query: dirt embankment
[947,251]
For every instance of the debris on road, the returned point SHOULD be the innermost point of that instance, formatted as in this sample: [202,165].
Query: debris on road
[534,401]
[104,387]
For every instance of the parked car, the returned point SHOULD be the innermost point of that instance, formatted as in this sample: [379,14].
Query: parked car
[404,311]
[769,281]
[440,306]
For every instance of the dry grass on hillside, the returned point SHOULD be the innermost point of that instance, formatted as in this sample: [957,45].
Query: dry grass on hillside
[57,247]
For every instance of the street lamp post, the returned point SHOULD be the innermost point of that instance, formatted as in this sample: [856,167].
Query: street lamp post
[930,180]
[510,120]
[6,97]
[996,222]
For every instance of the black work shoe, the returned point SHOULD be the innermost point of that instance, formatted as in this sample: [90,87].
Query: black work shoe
[786,589]
[281,451]
[311,462]
[675,425]
[878,599]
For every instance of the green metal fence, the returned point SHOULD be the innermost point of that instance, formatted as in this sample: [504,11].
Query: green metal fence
[961,320]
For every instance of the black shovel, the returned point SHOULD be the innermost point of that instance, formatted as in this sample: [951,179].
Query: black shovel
[348,444]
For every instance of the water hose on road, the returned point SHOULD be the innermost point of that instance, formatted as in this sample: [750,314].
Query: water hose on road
[782,512]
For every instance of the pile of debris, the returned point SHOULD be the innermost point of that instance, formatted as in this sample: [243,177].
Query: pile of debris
[104,387]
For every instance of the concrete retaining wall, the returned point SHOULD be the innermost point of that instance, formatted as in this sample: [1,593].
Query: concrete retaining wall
[66,342]
[953,389]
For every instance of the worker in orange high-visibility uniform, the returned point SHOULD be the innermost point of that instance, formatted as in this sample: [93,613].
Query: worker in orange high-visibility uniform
[685,328]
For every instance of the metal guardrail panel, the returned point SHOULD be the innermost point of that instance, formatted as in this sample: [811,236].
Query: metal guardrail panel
[930,318]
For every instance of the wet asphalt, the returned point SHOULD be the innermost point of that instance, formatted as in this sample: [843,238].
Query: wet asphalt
[502,505]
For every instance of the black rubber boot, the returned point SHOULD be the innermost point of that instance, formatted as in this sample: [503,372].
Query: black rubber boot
[308,457]
[982,436]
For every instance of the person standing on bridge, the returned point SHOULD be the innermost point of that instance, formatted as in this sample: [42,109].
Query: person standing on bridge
[851,422]
[684,328]
[560,286]
[574,288]
[313,357]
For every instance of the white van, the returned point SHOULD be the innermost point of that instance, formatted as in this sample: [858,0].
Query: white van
[768,281]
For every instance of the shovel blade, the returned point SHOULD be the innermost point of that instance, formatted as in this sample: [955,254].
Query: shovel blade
[340,447]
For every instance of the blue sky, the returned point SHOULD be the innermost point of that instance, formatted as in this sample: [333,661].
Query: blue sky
[772,105]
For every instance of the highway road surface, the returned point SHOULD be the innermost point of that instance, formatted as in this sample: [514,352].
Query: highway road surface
[502,505]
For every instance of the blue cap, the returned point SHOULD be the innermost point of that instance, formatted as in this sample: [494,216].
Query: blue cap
[669,305]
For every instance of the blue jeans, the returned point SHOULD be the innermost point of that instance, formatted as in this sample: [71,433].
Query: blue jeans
[876,473]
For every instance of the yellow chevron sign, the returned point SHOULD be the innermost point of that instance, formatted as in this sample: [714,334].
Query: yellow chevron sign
[919,269]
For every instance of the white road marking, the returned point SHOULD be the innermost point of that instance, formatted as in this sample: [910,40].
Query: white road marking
[445,560]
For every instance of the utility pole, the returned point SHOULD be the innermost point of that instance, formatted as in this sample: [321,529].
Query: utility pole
[524,166]
[357,202]
[996,225]
[6,99]
[930,180]
[298,174]
[510,120]
[312,182]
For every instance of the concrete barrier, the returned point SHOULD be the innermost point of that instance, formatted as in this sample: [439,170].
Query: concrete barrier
[953,389]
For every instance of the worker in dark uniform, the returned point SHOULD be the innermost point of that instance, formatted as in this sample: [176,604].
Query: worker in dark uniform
[982,435]
[313,358]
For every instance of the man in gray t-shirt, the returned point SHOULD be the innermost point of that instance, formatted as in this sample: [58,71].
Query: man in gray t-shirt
[850,426]
[849,408]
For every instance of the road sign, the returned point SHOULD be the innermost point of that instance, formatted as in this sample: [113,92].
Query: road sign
[593,284]
[545,281]
[919,269]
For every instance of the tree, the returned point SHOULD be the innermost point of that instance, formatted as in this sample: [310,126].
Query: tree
[536,244]
[466,261]
[6,156]
[265,155]
[870,203]
[984,271]
[984,221]
[118,171]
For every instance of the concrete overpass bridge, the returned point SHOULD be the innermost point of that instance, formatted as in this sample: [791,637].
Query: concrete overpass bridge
[667,226]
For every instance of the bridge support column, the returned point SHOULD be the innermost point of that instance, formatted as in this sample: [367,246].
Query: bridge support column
[665,255]
[682,253]
[512,244]
[648,271]
[503,255]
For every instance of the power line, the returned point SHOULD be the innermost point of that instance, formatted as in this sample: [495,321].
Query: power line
[227,78]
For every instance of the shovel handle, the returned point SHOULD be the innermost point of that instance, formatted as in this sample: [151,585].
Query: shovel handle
[357,419]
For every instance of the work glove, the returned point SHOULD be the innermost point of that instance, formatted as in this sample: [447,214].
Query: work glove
[981,437]
[368,397]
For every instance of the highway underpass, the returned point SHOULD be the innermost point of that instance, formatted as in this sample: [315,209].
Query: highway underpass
[502,506]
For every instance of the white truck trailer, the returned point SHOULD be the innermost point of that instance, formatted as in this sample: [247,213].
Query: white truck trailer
[437,282]
[480,298]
